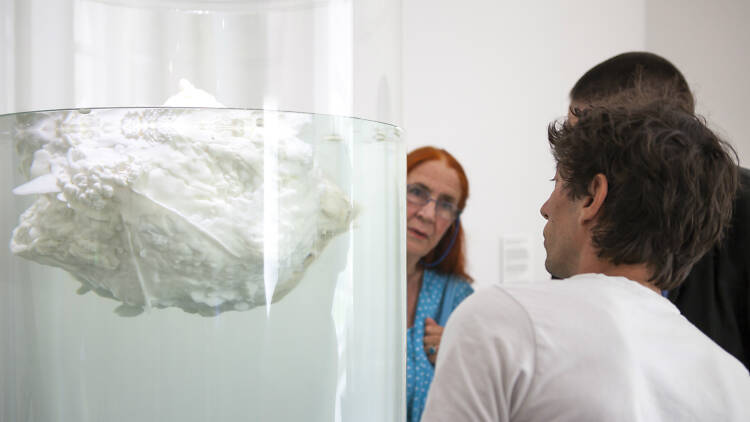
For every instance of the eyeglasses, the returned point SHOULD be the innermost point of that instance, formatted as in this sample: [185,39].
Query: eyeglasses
[420,196]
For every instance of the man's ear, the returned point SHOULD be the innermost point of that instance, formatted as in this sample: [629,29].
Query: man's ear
[594,201]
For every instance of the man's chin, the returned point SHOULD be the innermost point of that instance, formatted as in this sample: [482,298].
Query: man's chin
[552,272]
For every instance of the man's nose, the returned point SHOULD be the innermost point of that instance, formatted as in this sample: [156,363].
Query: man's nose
[543,210]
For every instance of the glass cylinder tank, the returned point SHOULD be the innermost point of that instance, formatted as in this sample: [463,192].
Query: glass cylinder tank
[203,211]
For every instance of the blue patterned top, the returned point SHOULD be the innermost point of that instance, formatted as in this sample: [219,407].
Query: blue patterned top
[419,370]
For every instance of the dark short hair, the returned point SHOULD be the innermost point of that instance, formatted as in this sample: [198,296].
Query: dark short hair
[652,75]
[671,183]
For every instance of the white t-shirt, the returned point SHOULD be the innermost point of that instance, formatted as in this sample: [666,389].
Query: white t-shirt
[588,348]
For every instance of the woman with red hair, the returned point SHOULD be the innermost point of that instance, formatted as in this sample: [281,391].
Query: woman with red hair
[437,282]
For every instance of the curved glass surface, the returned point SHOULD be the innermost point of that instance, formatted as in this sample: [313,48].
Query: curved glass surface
[194,264]
[338,57]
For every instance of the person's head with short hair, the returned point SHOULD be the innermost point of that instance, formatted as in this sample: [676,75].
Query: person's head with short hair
[634,74]
[437,190]
[644,186]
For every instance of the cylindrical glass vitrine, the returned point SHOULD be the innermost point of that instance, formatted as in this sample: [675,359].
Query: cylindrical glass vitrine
[176,248]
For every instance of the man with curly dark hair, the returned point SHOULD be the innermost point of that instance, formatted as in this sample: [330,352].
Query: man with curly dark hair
[641,193]
[715,295]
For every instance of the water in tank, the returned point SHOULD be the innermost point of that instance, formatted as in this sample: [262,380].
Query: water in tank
[175,248]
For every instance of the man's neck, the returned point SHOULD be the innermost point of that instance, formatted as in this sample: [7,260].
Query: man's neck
[591,263]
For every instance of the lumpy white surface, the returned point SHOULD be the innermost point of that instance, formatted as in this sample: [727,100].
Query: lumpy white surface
[169,207]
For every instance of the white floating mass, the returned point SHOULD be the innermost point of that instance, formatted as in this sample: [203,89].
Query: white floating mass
[167,207]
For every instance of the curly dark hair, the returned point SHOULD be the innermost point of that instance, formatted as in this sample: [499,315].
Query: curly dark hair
[671,183]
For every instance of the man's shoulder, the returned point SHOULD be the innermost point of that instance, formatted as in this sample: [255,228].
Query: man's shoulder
[584,297]
[585,290]
[517,304]
[490,303]
[734,245]
[492,318]
[571,288]
[744,191]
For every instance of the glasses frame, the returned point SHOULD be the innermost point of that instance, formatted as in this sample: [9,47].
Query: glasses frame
[437,201]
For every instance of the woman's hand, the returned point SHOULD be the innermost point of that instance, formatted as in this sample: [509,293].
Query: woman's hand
[432,335]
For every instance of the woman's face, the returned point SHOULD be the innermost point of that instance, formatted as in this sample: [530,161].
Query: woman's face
[424,227]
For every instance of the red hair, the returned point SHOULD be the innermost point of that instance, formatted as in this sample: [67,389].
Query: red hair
[455,261]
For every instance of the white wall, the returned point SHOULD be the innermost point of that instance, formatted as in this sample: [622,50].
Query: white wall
[482,79]
[710,43]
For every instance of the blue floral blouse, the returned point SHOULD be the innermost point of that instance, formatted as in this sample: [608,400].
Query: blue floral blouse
[419,370]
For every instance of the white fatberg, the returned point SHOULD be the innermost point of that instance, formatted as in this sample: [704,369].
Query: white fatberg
[165,207]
